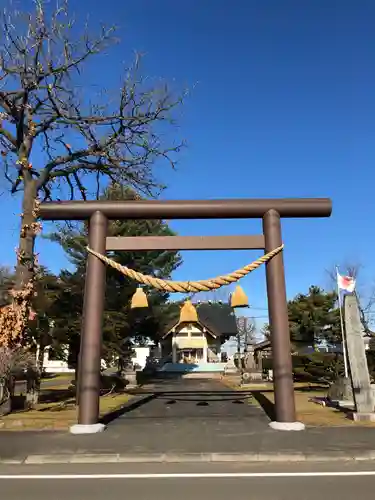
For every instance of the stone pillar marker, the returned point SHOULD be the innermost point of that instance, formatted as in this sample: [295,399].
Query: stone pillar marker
[362,391]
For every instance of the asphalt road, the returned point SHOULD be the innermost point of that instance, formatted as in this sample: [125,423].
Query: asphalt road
[188,481]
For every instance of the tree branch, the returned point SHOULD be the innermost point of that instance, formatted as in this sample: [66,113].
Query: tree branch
[8,136]
[117,139]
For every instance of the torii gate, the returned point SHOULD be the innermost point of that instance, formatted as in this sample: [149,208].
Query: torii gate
[99,212]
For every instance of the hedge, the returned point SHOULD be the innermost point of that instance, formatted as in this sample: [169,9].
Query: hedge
[318,365]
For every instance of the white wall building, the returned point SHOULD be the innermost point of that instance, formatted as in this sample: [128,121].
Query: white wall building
[51,364]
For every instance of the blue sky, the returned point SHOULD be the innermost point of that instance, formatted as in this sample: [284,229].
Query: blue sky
[282,104]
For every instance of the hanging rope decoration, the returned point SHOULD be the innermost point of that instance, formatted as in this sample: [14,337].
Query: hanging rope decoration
[187,286]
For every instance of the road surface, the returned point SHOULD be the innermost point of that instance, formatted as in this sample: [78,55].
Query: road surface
[188,481]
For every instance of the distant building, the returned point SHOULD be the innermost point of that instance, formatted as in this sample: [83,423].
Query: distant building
[197,337]
[57,363]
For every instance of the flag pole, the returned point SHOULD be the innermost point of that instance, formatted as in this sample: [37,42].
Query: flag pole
[346,371]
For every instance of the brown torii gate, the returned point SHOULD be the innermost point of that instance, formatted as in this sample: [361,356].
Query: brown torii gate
[99,212]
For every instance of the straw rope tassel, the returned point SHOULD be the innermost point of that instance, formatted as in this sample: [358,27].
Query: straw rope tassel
[187,286]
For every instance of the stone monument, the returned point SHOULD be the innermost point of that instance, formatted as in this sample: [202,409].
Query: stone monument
[230,367]
[340,392]
[362,392]
[251,371]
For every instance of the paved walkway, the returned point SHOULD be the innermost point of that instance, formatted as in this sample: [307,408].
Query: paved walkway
[190,416]
[209,401]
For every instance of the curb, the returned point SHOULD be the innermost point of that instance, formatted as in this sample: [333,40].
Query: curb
[187,458]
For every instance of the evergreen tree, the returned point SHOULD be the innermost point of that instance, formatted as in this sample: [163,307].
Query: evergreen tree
[314,317]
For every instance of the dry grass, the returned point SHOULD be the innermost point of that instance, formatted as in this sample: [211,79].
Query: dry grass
[57,409]
[63,381]
[57,415]
[60,376]
[308,412]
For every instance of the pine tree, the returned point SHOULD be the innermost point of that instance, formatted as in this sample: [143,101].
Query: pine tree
[314,317]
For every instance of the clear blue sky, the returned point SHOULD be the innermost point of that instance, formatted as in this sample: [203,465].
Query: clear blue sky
[283,105]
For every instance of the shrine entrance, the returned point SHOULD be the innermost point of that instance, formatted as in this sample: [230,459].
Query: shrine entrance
[99,212]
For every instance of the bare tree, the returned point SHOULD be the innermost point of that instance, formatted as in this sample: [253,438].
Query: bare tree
[365,291]
[265,332]
[247,333]
[43,110]
[12,360]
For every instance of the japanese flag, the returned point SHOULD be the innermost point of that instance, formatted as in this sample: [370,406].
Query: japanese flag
[346,283]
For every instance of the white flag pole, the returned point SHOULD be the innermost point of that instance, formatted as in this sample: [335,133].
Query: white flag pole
[346,371]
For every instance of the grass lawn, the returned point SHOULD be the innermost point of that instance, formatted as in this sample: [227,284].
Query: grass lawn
[58,376]
[57,410]
[61,376]
[59,381]
[308,412]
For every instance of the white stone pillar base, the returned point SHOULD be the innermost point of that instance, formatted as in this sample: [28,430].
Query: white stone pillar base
[287,426]
[86,429]
[363,417]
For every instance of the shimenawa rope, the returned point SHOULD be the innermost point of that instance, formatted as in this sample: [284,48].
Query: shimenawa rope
[187,286]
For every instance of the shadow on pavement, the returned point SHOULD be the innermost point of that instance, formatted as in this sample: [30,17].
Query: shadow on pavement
[157,403]
[113,415]
[267,405]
